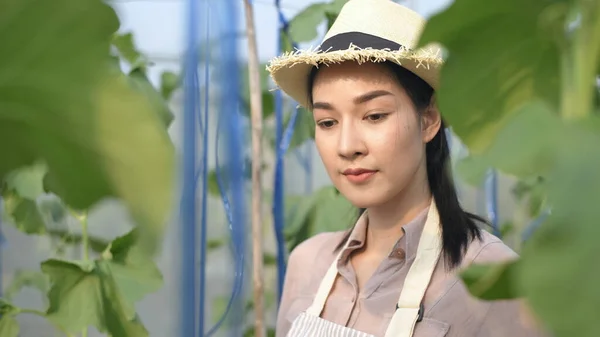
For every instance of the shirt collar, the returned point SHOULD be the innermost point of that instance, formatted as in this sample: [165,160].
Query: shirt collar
[405,247]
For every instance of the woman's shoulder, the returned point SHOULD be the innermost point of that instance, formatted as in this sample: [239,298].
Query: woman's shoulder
[489,249]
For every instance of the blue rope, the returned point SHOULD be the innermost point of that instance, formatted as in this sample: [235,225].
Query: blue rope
[203,221]
[282,141]
[188,314]
[534,225]
[235,204]
[491,190]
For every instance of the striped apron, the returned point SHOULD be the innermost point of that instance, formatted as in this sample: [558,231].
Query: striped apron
[409,309]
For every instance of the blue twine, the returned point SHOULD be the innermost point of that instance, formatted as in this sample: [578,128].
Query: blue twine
[188,314]
[203,221]
[491,190]
[534,225]
[234,206]
[282,141]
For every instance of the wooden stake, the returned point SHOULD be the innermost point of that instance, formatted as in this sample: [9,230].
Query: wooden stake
[256,119]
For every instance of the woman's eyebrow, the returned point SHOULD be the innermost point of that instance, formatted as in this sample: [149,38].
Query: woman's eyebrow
[322,105]
[371,95]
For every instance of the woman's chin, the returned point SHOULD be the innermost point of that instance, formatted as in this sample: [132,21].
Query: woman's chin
[364,201]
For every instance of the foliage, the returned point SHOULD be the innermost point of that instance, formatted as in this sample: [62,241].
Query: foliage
[519,88]
[77,130]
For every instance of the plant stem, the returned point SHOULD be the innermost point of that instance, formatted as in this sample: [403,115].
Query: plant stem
[32,311]
[580,63]
[85,241]
[85,245]
[256,117]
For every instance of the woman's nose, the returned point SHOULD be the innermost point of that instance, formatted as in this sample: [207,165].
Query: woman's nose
[350,142]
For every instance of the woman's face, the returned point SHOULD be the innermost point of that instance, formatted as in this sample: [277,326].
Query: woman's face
[368,133]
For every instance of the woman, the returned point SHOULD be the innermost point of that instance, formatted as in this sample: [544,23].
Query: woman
[382,140]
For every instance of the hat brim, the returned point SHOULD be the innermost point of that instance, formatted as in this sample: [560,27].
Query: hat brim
[290,71]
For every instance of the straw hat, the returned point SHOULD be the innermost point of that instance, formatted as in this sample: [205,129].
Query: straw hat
[364,31]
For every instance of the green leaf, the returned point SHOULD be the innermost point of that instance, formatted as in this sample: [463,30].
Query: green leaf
[141,83]
[324,211]
[135,274]
[333,212]
[501,55]
[102,293]
[9,326]
[23,213]
[97,245]
[524,147]
[269,259]
[303,26]
[62,103]
[267,96]
[213,184]
[28,181]
[26,278]
[493,281]
[169,82]
[7,308]
[126,48]
[561,257]
[213,244]
[304,129]
[472,169]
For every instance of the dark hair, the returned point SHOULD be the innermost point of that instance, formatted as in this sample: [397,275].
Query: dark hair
[459,227]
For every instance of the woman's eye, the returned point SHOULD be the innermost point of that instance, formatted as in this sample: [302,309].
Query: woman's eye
[376,117]
[326,124]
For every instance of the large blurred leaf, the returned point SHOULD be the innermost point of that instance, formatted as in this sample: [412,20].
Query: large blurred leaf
[142,84]
[102,292]
[493,282]
[560,262]
[303,27]
[501,54]
[61,103]
[524,147]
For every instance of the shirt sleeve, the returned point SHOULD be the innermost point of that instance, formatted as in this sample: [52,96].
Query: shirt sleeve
[287,295]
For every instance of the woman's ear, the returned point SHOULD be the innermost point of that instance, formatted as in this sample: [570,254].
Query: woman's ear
[431,121]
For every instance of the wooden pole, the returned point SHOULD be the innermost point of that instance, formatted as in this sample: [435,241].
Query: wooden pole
[256,119]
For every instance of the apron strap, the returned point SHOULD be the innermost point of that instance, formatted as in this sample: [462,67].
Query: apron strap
[409,307]
[417,280]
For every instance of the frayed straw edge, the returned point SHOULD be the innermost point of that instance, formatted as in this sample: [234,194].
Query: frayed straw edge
[424,57]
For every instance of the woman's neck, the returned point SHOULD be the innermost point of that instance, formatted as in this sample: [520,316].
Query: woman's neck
[386,221]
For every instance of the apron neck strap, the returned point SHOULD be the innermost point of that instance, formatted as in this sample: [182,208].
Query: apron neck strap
[409,308]
[415,284]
